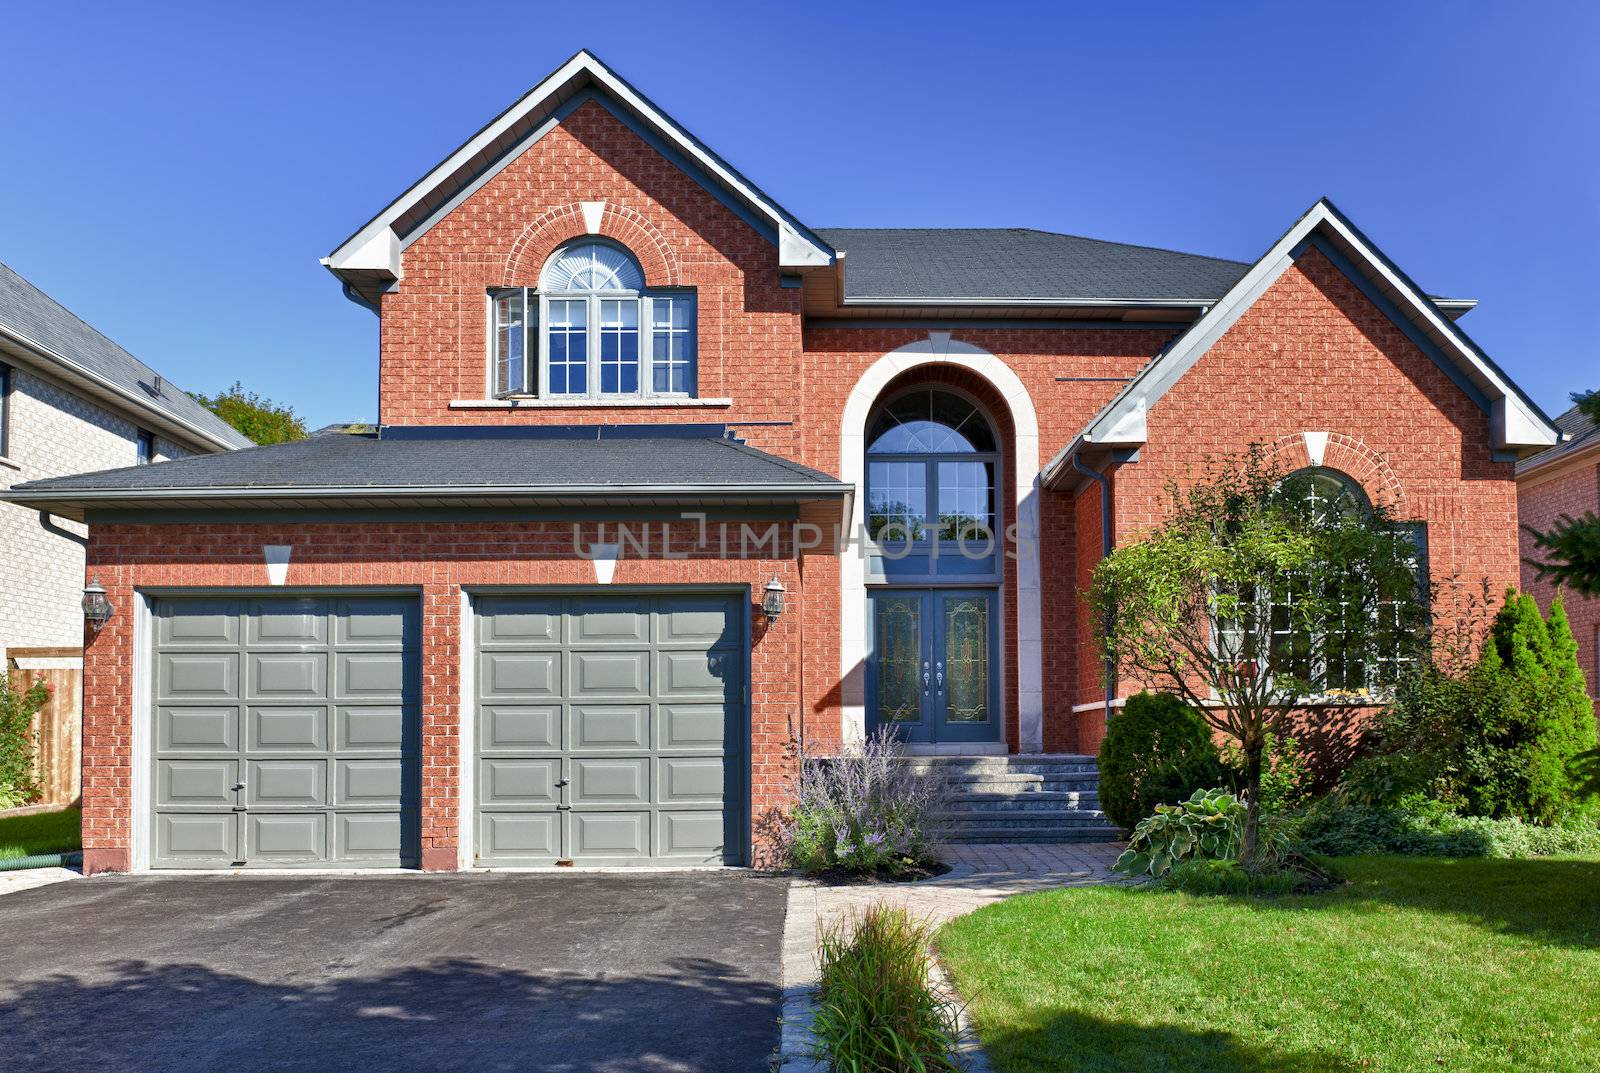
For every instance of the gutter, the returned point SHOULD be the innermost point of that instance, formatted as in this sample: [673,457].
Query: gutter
[1105,549]
[143,405]
[367,491]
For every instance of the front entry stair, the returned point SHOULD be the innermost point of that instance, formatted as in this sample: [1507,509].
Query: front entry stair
[1023,798]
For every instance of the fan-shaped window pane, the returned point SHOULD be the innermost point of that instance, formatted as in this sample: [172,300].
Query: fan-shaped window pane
[930,422]
[1332,494]
[589,267]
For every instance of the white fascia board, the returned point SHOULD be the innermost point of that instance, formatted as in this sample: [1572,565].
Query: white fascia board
[380,252]
[797,248]
[1514,423]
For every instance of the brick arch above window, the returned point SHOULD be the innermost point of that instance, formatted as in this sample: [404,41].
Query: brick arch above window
[1347,454]
[566,223]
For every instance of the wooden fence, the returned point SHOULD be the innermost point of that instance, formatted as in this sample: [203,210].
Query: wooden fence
[59,724]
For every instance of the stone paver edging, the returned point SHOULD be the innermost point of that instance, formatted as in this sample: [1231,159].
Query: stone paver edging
[979,875]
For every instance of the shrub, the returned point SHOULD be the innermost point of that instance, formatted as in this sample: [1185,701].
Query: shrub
[1209,877]
[1157,751]
[866,811]
[1417,827]
[1286,778]
[18,742]
[1208,826]
[877,1009]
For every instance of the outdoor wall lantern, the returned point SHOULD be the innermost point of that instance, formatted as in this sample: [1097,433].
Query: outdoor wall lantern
[772,600]
[97,607]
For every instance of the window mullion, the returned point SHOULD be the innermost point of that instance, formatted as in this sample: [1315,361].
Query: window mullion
[647,346]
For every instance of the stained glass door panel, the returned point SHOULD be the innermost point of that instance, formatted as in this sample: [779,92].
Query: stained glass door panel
[964,670]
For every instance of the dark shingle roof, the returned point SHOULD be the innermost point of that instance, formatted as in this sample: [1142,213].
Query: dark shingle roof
[992,263]
[37,318]
[537,460]
[1575,424]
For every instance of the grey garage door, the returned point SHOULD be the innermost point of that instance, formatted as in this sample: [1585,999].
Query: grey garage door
[285,732]
[610,730]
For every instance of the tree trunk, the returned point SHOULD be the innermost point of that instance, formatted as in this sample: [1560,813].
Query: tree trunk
[1252,814]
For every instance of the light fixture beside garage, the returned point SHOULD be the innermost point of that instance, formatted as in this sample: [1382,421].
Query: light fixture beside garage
[97,606]
[772,600]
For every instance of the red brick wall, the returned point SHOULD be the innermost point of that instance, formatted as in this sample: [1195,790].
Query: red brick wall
[438,559]
[1573,489]
[1313,354]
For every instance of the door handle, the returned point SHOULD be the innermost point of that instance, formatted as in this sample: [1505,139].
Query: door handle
[924,676]
[939,676]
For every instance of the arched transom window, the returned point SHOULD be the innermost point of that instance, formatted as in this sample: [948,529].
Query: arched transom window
[592,330]
[931,460]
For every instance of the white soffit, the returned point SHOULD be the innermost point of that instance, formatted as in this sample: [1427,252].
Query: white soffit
[1515,422]
[797,246]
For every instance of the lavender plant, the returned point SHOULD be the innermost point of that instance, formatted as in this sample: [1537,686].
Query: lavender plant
[866,811]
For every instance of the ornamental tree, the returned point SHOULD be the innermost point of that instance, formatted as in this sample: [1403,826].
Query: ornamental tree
[1260,593]
[261,420]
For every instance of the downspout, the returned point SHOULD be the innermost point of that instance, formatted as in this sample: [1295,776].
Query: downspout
[51,527]
[1105,549]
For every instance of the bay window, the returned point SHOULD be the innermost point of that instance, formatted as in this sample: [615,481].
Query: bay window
[591,330]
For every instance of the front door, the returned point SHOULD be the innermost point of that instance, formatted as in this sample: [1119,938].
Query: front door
[931,672]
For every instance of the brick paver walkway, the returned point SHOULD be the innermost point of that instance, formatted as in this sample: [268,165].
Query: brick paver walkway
[979,875]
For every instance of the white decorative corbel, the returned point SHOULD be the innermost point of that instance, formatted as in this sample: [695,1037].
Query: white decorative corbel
[592,211]
[1316,446]
[277,556]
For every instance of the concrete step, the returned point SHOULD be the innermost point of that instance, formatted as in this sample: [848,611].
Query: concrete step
[1022,783]
[1031,801]
[1036,835]
[1032,765]
[1002,821]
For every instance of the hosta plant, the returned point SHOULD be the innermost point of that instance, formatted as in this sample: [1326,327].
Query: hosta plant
[1207,826]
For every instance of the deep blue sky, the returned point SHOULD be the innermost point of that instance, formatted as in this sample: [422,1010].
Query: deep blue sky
[172,173]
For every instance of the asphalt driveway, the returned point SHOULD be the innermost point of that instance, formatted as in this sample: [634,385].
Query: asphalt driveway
[577,973]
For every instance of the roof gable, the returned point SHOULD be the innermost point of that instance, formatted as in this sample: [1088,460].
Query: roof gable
[374,252]
[1516,423]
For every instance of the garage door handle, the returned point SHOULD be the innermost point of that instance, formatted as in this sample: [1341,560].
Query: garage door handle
[561,782]
[238,786]
[563,808]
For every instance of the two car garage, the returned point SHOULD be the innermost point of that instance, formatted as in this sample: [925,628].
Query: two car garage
[602,730]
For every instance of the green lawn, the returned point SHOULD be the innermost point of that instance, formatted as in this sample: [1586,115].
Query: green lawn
[1417,964]
[43,832]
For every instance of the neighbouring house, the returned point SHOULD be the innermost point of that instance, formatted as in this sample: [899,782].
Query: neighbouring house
[71,401]
[1564,480]
[579,597]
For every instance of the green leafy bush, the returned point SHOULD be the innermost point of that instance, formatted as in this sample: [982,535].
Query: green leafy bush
[877,1008]
[1419,827]
[1157,751]
[18,743]
[1209,877]
[1286,778]
[1208,826]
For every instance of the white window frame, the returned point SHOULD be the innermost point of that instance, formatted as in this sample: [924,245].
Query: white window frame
[537,355]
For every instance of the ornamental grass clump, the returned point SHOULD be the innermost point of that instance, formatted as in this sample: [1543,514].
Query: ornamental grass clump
[878,1010]
[866,812]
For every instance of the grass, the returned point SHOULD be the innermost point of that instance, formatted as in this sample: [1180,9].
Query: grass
[1416,964]
[42,832]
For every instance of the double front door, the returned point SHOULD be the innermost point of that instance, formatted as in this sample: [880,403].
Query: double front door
[931,673]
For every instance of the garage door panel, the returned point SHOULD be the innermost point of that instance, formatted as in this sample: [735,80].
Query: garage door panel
[287,784]
[691,727]
[690,780]
[197,730]
[192,676]
[610,674]
[610,726]
[609,835]
[291,838]
[523,621]
[196,783]
[712,675]
[198,624]
[534,836]
[280,676]
[312,716]
[298,728]
[609,781]
[368,783]
[518,782]
[197,840]
[696,837]
[370,676]
[519,675]
[621,621]
[519,727]
[369,729]
[286,623]
[695,621]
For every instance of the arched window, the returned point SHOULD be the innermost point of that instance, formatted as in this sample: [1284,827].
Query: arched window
[595,330]
[1330,492]
[931,458]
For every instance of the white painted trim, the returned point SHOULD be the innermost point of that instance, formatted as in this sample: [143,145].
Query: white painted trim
[604,557]
[467,737]
[592,212]
[940,348]
[1098,704]
[1513,422]
[1316,446]
[141,758]
[590,404]
[277,558]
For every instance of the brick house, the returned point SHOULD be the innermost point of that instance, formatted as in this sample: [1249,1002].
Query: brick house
[628,405]
[1564,480]
[72,401]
